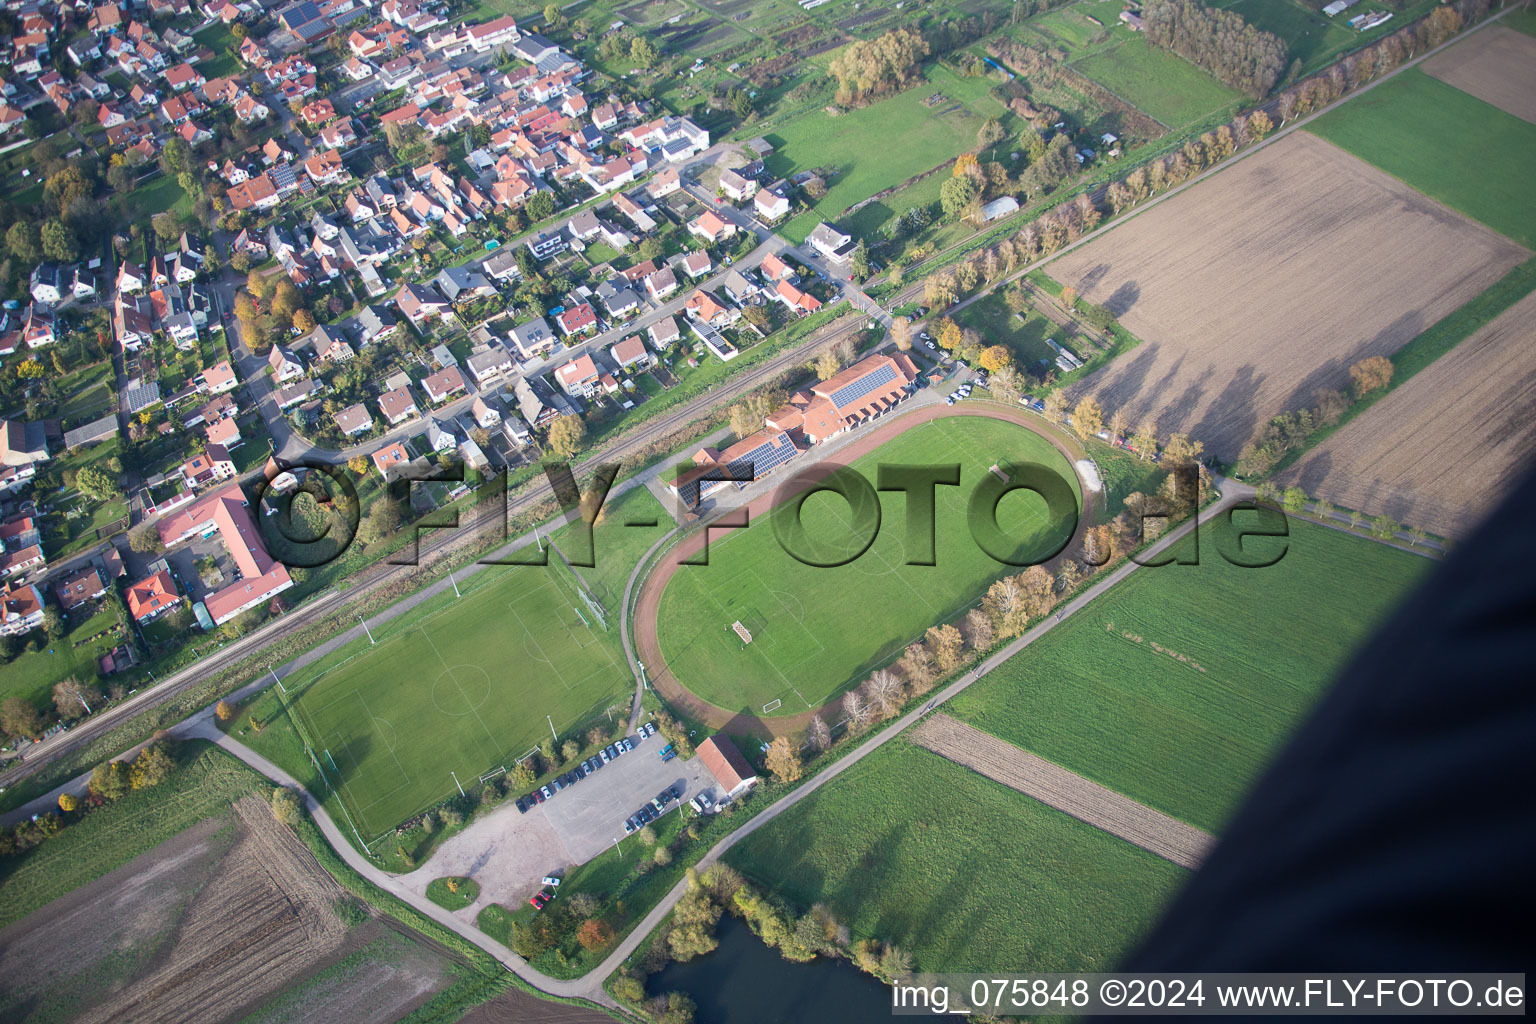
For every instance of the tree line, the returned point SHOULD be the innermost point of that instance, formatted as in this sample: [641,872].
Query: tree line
[110,782]
[1220,41]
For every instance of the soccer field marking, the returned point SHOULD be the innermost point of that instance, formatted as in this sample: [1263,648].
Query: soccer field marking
[754,650]
[495,747]
[361,807]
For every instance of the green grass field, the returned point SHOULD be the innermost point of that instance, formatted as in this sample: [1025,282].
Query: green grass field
[206,781]
[963,872]
[1310,37]
[1241,655]
[999,325]
[815,630]
[463,684]
[1162,84]
[1453,147]
[883,144]
[32,675]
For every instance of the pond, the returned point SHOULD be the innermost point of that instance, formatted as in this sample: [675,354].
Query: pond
[745,982]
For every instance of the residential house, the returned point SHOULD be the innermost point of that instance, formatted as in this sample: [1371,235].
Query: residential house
[737,187]
[79,587]
[354,420]
[577,319]
[398,406]
[697,265]
[578,377]
[390,459]
[285,365]
[831,243]
[630,354]
[219,378]
[443,384]
[421,303]
[152,597]
[772,203]
[711,227]
[664,332]
[534,338]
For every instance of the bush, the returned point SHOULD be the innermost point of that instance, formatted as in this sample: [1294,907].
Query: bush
[286,807]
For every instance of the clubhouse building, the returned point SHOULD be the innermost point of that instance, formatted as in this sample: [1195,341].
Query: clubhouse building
[865,391]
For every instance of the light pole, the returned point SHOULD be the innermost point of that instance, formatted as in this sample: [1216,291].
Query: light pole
[552,733]
[278,681]
[371,640]
[456,782]
[455,585]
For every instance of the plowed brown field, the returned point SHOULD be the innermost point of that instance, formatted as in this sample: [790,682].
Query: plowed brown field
[1261,285]
[1439,451]
[208,926]
[1497,65]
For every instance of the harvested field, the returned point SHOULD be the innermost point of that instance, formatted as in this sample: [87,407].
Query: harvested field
[1260,286]
[1054,786]
[516,1007]
[1439,451]
[228,914]
[1497,65]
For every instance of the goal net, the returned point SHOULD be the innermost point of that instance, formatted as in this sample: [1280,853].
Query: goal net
[742,631]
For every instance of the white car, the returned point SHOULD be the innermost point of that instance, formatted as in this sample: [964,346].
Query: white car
[552,880]
[931,346]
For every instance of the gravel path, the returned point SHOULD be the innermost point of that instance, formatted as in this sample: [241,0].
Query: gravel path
[1054,786]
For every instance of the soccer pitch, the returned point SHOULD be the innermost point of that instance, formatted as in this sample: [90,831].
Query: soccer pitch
[817,630]
[459,687]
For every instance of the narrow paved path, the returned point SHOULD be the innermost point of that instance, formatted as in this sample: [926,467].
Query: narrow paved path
[1068,792]
[589,987]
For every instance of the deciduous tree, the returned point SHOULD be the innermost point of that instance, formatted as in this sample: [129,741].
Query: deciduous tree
[783,759]
[1372,373]
[566,435]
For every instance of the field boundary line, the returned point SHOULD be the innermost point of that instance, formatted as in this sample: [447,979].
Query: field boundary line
[1068,792]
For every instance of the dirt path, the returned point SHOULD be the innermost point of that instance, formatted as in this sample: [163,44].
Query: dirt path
[648,603]
[1054,786]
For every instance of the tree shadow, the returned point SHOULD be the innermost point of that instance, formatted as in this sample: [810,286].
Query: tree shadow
[1231,420]
[1123,298]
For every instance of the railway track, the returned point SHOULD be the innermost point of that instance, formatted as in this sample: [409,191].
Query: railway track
[377,578]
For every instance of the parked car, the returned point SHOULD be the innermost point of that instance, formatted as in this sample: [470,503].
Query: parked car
[665,796]
[950,400]
[522,805]
[625,744]
[931,346]
[629,825]
[604,755]
[664,751]
[546,791]
[538,900]
[612,751]
[676,790]
[552,880]
[657,804]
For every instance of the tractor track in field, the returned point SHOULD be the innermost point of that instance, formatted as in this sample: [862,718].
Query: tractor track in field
[1066,791]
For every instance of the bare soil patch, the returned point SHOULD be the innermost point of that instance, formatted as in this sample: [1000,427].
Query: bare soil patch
[516,1007]
[208,925]
[1441,450]
[1497,65]
[1054,786]
[1261,285]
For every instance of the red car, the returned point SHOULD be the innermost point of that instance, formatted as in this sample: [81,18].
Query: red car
[538,900]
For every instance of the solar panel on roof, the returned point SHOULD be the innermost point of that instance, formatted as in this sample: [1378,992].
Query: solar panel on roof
[850,393]
[765,457]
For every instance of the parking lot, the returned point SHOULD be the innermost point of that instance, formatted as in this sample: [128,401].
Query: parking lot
[590,815]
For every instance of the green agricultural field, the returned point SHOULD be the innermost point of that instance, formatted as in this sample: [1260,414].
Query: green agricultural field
[1176,687]
[460,685]
[963,872]
[205,782]
[1453,147]
[1162,84]
[883,144]
[816,630]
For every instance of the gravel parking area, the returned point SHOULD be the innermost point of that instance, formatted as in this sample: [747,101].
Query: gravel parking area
[589,816]
[507,852]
